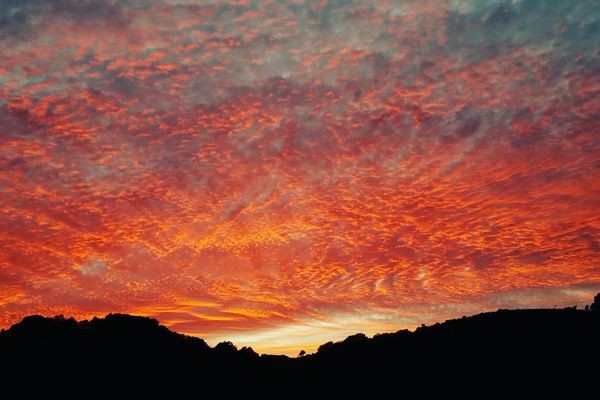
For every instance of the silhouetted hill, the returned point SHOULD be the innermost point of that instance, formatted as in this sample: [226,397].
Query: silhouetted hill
[505,348]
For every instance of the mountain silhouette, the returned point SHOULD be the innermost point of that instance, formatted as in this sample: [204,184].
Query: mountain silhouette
[535,348]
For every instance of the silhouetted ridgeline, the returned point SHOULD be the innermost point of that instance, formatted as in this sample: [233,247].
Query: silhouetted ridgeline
[506,347]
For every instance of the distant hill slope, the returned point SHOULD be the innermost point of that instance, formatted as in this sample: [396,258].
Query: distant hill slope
[506,347]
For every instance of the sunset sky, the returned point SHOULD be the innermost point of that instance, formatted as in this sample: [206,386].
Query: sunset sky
[284,173]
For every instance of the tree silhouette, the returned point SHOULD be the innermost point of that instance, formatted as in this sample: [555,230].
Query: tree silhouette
[595,306]
[325,347]
[226,348]
[518,347]
[248,352]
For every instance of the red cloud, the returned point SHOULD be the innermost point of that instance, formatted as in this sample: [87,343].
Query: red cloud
[276,167]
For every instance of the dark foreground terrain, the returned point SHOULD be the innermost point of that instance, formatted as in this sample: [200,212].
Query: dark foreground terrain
[539,348]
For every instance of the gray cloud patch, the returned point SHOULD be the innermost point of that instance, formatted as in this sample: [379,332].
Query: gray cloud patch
[13,17]
[496,26]
[93,266]
[17,16]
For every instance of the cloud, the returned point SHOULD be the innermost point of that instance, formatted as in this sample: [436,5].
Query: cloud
[12,18]
[93,267]
[296,161]
[19,18]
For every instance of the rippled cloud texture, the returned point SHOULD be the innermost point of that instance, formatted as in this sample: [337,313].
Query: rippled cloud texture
[279,173]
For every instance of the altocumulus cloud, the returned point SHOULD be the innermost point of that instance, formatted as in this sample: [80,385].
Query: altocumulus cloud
[266,165]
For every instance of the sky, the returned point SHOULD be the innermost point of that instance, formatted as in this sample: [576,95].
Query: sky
[284,173]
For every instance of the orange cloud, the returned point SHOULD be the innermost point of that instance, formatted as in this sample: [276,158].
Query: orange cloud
[282,174]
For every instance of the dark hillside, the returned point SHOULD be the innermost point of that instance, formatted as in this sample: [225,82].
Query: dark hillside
[506,347]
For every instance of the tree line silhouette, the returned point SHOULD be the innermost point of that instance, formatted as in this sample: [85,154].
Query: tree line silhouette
[531,347]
